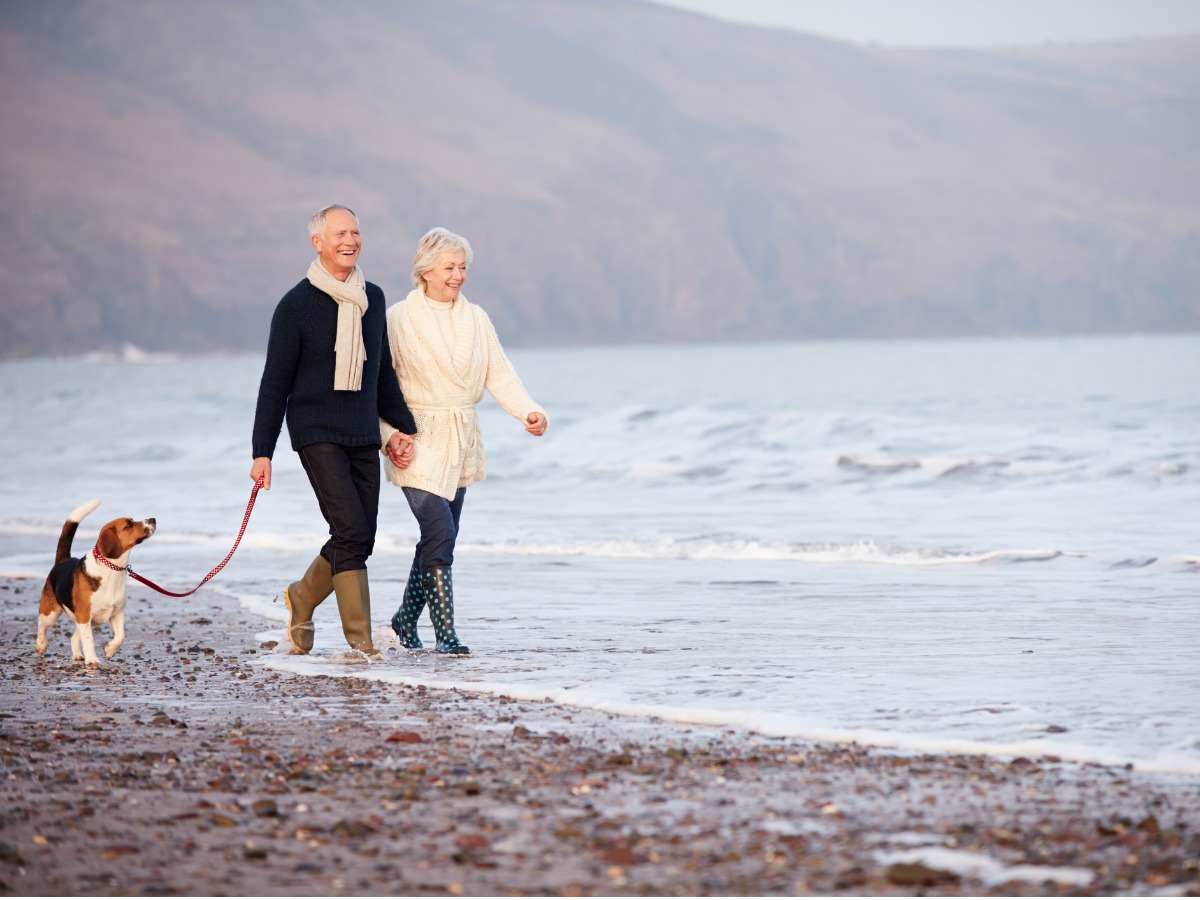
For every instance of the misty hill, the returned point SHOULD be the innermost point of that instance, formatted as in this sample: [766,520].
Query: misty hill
[626,172]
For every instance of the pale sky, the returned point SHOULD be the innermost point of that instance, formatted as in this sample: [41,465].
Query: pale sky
[962,23]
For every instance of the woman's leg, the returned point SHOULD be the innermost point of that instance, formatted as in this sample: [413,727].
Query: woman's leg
[404,620]
[439,520]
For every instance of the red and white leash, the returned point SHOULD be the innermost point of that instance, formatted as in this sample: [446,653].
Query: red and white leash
[150,584]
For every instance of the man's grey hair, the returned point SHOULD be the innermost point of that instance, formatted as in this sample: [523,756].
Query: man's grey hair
[436,241]
[316,225]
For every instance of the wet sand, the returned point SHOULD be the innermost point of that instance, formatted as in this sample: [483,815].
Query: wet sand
[183,768]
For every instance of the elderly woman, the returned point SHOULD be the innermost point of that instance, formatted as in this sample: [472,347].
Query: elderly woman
[445,352]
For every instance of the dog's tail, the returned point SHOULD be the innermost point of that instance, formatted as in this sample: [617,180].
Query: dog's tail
[67,535]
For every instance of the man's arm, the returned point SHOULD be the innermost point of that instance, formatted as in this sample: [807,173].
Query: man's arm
[279,373]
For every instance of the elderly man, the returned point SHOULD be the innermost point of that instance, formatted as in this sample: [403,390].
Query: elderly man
[329,368]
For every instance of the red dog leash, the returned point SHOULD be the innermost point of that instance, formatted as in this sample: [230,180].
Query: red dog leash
[150,584]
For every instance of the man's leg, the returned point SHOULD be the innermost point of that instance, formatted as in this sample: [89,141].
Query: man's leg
[302,599]
[346,483]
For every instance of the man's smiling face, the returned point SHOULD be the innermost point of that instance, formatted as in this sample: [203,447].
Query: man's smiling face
[339,243]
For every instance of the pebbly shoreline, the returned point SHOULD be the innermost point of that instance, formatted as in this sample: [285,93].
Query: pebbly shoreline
[183,768]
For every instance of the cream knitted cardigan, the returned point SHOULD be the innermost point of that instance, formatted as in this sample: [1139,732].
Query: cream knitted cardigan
[442,392]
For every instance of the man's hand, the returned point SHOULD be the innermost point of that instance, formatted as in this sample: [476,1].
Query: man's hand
[400,449]
[537,424]
[261,469]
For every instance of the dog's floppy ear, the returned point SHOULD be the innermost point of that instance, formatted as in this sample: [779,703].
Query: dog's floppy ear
[108,543]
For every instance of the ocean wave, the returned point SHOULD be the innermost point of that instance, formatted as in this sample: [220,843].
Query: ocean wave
[940,466]
[757,551]
[675,549]
[28,528]
[1017,469]
[129,353]
[888,466]
[653,446]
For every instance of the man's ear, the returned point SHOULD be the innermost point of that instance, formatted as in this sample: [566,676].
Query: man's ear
[108,543]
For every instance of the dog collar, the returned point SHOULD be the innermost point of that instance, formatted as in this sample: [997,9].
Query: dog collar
[105,561]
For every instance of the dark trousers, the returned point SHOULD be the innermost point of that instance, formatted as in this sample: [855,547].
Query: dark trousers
[346,482]
[438,519]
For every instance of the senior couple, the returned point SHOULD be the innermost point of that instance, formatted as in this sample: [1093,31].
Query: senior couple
[353,379]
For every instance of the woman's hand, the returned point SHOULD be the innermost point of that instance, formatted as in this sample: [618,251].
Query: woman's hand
[400,449]
[537,424]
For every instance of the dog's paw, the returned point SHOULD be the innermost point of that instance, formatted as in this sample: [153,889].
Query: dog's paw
[110,652]
[41,646]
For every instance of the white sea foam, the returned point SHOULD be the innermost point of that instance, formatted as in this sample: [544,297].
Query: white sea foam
[983,868]
[751,551]
[414,668]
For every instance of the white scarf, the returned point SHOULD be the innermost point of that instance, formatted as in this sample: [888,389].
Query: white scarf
[348,348]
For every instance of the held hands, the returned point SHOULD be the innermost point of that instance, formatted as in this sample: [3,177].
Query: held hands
[537,424]
[400,449]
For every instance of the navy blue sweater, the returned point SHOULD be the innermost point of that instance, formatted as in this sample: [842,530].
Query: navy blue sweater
[298,377]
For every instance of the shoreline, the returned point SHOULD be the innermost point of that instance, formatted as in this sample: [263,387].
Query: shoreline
[183,768]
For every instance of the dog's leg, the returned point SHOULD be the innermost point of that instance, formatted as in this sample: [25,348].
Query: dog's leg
[118,627]
[48,613]
[88,640]
[45,623]
[83,642]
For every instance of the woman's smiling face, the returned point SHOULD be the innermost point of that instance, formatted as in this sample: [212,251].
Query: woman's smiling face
[446,278]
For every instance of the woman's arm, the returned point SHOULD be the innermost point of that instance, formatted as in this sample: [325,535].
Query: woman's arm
[505,385]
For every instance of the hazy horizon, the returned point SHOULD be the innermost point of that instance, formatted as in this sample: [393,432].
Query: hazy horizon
[627,173]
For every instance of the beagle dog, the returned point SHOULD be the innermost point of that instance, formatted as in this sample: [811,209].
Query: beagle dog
[90,590]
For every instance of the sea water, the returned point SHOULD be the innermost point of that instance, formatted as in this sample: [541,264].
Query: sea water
[984,546]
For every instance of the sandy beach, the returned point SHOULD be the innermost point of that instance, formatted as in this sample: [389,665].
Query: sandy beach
[183,768]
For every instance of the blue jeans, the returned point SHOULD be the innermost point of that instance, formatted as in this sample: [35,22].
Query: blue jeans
[346,482]
[437,518]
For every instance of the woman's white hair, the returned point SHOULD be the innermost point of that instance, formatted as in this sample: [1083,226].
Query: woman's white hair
[435,242]
[316,225]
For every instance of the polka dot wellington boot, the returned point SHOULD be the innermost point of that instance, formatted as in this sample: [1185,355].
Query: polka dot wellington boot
[439,594]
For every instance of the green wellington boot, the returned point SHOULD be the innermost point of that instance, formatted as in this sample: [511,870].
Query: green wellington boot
[404,621]
[354,605]
[304,596]
[439,593]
